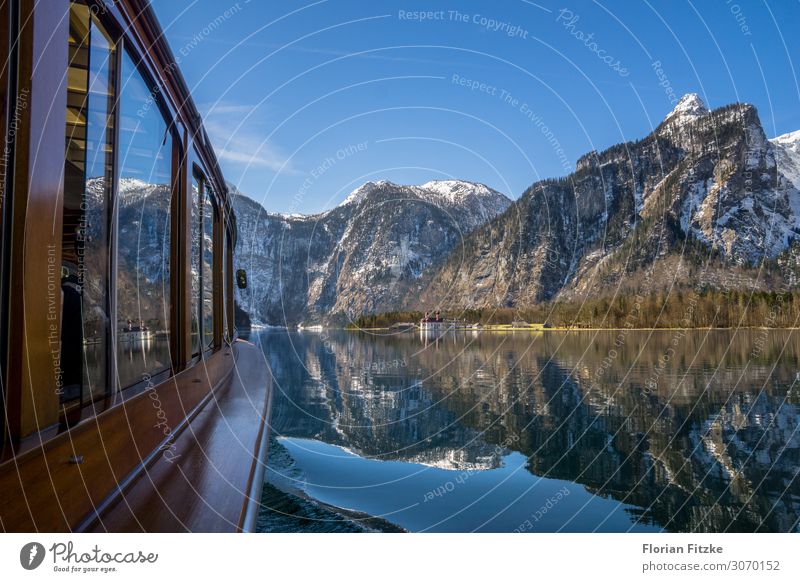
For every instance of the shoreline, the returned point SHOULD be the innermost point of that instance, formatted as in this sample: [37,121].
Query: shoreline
[566,329]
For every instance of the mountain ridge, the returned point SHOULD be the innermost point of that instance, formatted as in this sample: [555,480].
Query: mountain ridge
[704,185]
[707,181]
[363,254]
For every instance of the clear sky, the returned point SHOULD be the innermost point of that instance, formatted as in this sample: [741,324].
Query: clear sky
[306,100]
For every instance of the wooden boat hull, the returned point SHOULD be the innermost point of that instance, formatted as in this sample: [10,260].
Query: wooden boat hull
[178,456]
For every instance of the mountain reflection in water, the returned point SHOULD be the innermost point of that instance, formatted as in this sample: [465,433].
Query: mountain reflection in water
[685,431]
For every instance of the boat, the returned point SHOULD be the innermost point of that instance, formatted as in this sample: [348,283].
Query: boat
[115,212]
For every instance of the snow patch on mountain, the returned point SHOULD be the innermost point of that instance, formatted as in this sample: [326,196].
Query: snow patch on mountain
[360,256]
[456,191]
[689,108]
[365,191]
[787,156]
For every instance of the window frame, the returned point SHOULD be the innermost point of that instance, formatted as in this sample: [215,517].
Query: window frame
[227,296]
[94,405]
[175,243]
[125,45]
[29,385]
[199,174]
[8,89]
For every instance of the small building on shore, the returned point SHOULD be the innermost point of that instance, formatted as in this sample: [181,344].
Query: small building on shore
[432,322]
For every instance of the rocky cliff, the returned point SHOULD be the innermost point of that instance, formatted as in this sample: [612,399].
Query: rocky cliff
[365,255]
[704,188]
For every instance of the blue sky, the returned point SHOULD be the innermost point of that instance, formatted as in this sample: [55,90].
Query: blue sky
[305,101]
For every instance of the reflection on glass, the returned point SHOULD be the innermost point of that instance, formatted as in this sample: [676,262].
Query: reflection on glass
[225,274]
[197,232]
[208,269]
[143,247]
[87,193]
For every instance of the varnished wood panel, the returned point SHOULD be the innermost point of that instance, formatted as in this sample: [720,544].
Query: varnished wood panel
[44,491]
[6,159]
[60,480]
[205,486]
[35,292]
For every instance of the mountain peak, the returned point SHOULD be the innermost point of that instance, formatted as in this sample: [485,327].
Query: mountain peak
[791,139]
[365,190]
[787,156]
[690,107]
[456,190]
[448,192]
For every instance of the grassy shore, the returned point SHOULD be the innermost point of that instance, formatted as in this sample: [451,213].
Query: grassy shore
[539,328]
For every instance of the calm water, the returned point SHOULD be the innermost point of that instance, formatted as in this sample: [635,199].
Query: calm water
[583,431]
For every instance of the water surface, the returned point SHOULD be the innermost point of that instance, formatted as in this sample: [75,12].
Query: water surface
[553,431]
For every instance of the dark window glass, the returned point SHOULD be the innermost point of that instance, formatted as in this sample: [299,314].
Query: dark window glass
[225,290]
[229,311]
[207,274]
[143,235]
[197,233]
[88,177]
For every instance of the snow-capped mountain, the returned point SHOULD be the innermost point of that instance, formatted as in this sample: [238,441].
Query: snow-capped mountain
[142,232]
[705,184]
[689,108]
[365,255]
[705,187]
[787,156]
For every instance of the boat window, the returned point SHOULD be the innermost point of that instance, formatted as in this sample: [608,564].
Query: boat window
[88,178]
[207,275]
[143,231]
[229,309]
[4,223]
[226,291]
[197,233]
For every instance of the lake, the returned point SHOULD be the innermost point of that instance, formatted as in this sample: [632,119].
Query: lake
[548,431]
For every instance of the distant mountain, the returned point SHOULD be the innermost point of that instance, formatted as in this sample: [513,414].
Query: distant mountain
[704,200]
[638,217]
[365,255]
[787,156]
[142,232]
